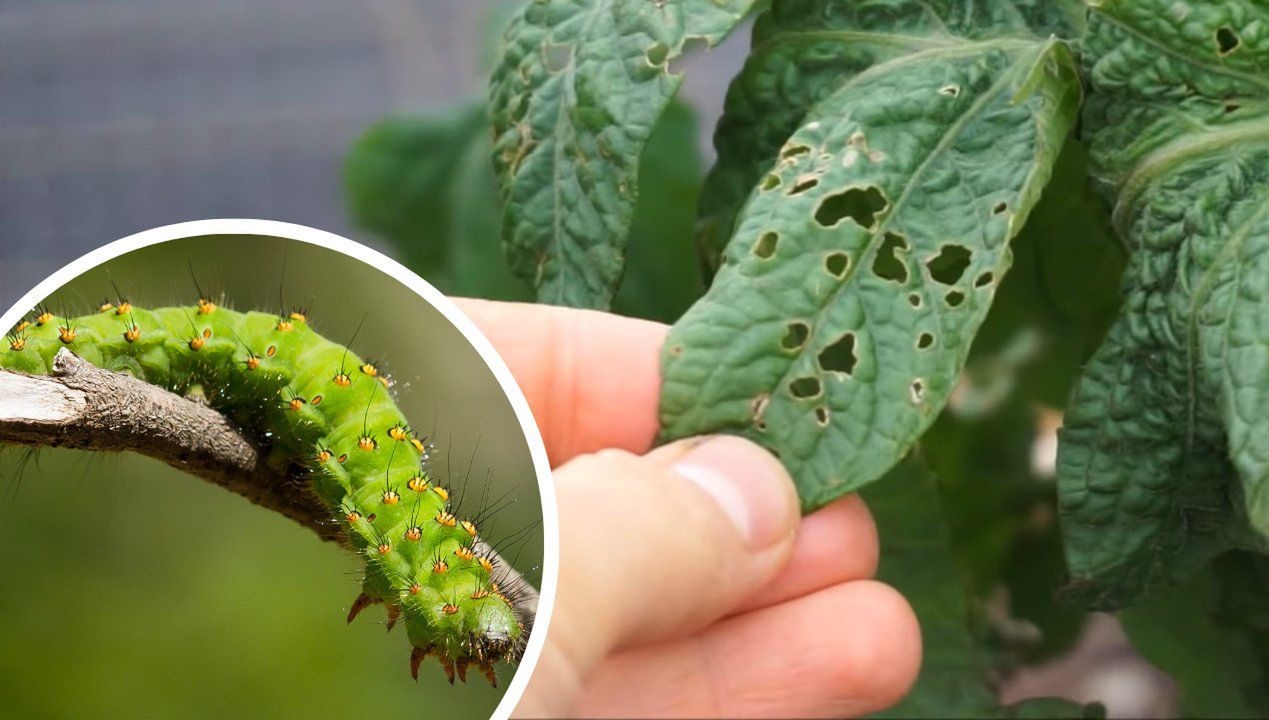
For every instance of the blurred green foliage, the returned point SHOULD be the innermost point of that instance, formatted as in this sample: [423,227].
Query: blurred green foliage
[134,590]
[1211,634]
[425,183]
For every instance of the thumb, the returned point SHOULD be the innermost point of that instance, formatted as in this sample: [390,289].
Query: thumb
[657,546]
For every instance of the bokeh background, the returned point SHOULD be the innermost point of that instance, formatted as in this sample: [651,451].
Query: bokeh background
[121,115]
[133,590]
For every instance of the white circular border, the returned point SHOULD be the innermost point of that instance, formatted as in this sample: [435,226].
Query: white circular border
[405,276]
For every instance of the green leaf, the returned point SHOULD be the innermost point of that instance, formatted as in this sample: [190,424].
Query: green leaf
[1211,656]
[866,259]
[661,280]
[1164,459]
[426,184]
[803,50]
[916,559]
[576,94]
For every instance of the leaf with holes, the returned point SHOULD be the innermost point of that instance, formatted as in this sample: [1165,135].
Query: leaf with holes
[578,88]
[1164,459]
[803,50]
[867,257]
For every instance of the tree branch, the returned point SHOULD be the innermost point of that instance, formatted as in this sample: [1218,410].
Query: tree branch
[81,406]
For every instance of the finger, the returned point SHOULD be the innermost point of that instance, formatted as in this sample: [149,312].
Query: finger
[843,651]
[835,544]
[655,547]
[592,379]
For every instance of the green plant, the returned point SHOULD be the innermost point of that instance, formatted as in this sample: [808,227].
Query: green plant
[906,270]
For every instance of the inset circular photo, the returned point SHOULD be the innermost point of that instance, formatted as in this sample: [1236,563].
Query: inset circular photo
[391,471]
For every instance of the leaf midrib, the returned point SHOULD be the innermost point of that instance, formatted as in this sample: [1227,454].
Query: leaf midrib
[989,96]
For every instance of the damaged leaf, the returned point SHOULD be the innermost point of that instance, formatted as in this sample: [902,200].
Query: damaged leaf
[578,88]
[867,256]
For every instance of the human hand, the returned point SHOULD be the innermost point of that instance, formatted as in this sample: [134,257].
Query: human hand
[689,585]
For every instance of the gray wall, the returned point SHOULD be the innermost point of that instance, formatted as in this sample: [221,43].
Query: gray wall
[121,115]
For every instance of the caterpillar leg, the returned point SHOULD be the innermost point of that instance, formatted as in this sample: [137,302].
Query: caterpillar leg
[448,666]
[394,614]
[487,670]
[417,656]
[362,602]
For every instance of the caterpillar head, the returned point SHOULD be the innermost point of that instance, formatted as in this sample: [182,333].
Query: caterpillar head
[478,629]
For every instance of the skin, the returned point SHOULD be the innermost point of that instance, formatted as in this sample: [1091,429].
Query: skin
[771,615]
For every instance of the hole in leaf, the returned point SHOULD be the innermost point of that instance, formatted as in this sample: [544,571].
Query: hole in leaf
[657,53]
[771,181]
[954,298]
[840,356]
[859,204]
[914,300]
[557,57]
[887,265]
[821,415]
[804,185]
[918,390]
[1226,40]
[795,334]
[793,151]
[951,90]
[1231,107]
[925,340]
[837,264]
[984,280]
[692,45]
[949,265]
[766,245]
[758,406]
[999,208]
[805,387]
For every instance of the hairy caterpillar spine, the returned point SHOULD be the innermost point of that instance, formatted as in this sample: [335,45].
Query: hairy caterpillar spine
[322,412]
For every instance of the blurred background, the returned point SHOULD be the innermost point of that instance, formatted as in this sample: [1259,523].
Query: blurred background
[121,115]
[133,590]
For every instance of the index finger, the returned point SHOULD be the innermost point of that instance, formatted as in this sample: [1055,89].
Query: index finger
[592,379]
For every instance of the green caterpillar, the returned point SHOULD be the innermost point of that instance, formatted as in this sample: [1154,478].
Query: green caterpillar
[318,410]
